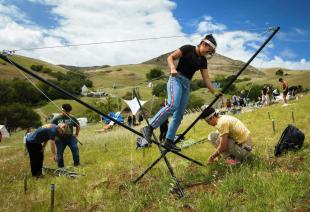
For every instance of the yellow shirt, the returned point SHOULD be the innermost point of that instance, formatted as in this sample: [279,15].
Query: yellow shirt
[233,127]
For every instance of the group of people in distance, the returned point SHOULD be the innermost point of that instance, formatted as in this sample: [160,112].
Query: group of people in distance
[61,133]
[232,137]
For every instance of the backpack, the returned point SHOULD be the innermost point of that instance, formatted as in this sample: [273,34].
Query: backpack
[142,143]
[291,139]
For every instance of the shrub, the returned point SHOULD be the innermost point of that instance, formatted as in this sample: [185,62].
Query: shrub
[279,72]
[160,90]
[154,73]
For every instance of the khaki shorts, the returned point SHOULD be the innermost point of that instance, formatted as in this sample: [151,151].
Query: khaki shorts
[239,151]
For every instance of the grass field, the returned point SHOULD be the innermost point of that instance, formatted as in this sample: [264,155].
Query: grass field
[110,162]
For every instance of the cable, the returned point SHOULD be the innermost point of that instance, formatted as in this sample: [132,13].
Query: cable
[97,43]
[126,40]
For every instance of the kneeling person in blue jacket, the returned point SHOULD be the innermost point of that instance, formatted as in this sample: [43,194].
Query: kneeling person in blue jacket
[36,142]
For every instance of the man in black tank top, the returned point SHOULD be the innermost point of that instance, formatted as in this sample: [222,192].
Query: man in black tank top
[191,58]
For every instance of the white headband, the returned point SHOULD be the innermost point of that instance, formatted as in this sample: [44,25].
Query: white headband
[209,116]
[209,43]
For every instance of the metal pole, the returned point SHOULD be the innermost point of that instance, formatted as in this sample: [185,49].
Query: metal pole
[160,149]
[273,126]
[230,83]
[218,96]
[293,118]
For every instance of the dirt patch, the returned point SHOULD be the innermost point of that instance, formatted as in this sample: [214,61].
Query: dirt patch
[200,186]
[72,206]
[188,208]
[102,184]
[17,155]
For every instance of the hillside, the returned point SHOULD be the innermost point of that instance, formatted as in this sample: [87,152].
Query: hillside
[7,71]
[111,162]
[118,80]
[218,64]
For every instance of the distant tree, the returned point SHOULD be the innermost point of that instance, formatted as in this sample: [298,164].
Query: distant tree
[37,68]
[6,92]
[26,93]
[19,116]
[88,83]
[127,95]
[279,72]
[160,90]
[224,82]
[154,73]
[255,92]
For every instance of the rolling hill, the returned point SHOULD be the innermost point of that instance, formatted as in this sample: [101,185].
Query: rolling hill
[8,72]
[121,78]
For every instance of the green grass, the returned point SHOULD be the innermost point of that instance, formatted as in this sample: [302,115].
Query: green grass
[110,162]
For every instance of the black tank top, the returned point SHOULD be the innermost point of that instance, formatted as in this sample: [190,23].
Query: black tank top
[190,61]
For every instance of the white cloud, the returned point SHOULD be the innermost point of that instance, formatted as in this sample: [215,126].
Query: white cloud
[241,45]
[109,20]
[95,21]
[288,53]
[208,26]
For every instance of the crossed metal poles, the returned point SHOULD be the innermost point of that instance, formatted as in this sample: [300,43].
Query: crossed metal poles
[163,152]
[181,193]
[224,90]
[5,58]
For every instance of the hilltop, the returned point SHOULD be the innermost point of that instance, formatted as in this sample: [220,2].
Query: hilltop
[218,64]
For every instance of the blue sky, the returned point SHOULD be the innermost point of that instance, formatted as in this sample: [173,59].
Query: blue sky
[292,16]
[238,26]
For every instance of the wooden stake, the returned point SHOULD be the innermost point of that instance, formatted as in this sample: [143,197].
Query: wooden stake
[25,183]
[52,197]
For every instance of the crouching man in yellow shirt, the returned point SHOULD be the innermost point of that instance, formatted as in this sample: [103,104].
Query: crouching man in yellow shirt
[232,138]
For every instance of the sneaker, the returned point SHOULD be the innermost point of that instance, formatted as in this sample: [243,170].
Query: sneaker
[147,133]
[170,145]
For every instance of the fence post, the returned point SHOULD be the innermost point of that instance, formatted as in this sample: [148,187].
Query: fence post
[52,197]
[25,183]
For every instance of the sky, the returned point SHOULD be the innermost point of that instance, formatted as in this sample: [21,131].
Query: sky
[239,27]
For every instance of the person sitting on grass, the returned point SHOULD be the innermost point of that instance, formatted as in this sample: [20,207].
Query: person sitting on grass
[36,142]
[232,139]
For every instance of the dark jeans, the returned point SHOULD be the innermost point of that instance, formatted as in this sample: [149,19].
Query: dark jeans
[61,146]
[36,156]
[163,131]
